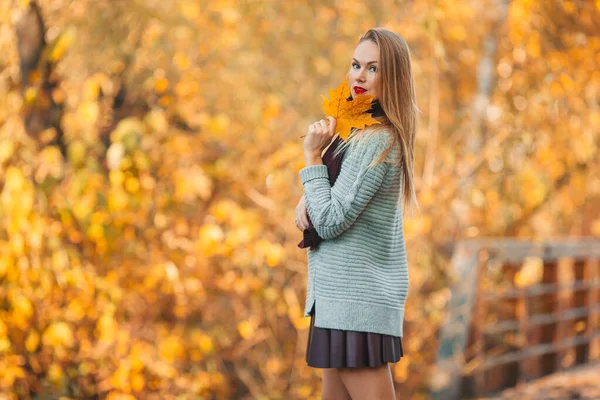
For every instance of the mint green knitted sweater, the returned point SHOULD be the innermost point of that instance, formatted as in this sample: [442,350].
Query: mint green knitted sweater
[358,276]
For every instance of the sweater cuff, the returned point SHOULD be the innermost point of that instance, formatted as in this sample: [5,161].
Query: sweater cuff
[313,172]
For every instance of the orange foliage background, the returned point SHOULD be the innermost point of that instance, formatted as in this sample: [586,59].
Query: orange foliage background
[159,258]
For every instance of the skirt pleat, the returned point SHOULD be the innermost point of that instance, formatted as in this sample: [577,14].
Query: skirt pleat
[335,348]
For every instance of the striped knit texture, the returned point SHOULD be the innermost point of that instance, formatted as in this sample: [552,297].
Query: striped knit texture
[358,277]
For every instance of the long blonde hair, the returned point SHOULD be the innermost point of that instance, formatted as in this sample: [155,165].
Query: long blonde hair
[398,99]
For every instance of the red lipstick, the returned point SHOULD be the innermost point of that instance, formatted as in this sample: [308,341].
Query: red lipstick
[359,90]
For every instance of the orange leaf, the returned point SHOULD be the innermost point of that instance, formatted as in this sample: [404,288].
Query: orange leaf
[349,114]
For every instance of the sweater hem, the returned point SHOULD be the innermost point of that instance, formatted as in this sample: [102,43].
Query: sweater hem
[352,315]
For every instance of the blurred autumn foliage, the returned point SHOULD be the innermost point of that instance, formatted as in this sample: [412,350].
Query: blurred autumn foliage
[149,154]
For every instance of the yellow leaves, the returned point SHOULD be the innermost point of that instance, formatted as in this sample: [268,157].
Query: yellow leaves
[22,309]
[120,378]
[305,391]
[7,148]
[191,184]
[157,120]
[5,264]
[211,235]
[272,108]
[190,10]
[116,177]
[161,85]
[181,61]
[457,33]
[120,396]
[417,226]
[129,374]
[76,152]
[132,185]
[4,345]
[595,229]
[187,88]
[75,310]
[10,371]
[83,207]
[246,329]
[138,356]
[218,124]
[583,145]
[230,16]
[294,310]
[31,95]
[273,252]
[531,186]
[57,335]
[17,244]
[106,327]
[51,164]
[322,65]
[17,196]
[401,369]
[88,113]
[128,132]
[223,209]
[137,382]
[569,7]
[3,329]
[533,45]
[60,45]
[4,340]
[349,114]
[117,199]
[205,343]
[166,100]
[547,159]
[530,273]
[171,349]
[33,341]
[580,326]
[271,294]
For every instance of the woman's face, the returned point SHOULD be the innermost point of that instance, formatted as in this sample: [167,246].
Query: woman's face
[363,76]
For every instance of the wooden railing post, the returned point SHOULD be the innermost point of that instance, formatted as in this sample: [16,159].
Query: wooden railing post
[592,274]
[565,297]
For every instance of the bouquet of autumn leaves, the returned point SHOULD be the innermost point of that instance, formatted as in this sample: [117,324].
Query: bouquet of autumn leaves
[349,114]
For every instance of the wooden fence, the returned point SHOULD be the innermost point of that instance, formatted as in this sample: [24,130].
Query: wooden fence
[518,311]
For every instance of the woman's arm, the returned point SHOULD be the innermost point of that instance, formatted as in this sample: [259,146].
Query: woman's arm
[333,209]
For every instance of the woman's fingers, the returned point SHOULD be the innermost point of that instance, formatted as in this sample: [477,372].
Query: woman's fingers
[304,220]
[301,218]
[298,216]
[319,136]
[319,128]
[323,125]
[332,124]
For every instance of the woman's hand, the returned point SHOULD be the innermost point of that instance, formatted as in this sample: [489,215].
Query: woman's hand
[301,219]
[317,139]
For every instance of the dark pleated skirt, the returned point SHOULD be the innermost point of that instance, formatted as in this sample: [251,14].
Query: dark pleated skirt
[334,348]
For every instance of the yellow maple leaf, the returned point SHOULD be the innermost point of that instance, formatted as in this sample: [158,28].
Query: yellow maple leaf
[349,114]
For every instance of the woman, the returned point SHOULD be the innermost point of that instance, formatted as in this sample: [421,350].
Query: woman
[358,275]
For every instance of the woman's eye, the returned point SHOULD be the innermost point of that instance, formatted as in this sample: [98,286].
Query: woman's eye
[373,68]
[355,65]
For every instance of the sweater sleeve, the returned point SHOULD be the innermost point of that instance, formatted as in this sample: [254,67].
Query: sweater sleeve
[333,209]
